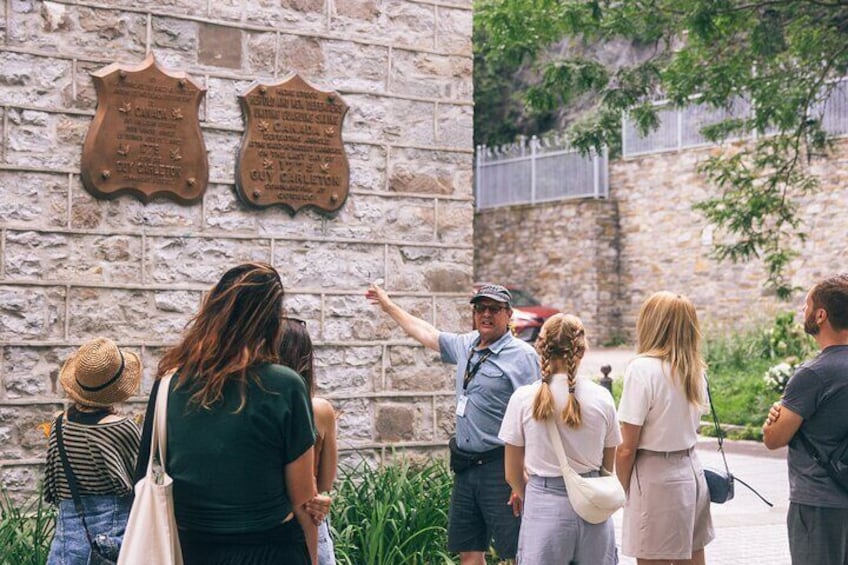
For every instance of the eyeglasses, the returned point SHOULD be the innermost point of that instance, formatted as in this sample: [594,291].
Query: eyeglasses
[493,308]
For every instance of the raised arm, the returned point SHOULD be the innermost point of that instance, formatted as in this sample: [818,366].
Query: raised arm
[416,328]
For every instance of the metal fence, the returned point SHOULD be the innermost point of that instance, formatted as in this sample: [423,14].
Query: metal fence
[681,128]
[536,170]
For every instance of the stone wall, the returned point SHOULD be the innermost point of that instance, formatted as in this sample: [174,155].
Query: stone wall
[601,259]
[73,267]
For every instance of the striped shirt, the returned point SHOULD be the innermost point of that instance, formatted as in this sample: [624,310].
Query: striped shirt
[102,457]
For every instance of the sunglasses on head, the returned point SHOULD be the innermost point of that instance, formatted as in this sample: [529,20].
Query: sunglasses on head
[493,308]
[295,320]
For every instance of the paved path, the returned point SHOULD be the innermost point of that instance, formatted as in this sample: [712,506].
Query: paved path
[615,357]
[747,531]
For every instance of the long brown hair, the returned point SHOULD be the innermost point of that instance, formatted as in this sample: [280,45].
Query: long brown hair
[562,343]
[668,329]
[238,327]
[296,351]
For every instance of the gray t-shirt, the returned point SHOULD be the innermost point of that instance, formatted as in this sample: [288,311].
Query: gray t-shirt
[507,364]
[818,392]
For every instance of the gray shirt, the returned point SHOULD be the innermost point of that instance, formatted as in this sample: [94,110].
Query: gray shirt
[509,363]
[818,392]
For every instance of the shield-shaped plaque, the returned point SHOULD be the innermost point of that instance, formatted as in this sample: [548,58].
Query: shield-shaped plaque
[145,139]
[292,153]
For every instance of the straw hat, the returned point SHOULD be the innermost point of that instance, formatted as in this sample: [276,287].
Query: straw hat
[100,374]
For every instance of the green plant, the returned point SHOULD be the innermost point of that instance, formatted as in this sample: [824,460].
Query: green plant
[786,338]
[392,514]
[25,530]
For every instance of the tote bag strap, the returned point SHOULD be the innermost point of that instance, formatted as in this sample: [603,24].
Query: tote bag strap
[557,442]
[158,436]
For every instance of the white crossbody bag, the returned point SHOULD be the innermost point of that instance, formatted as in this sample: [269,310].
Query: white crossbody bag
[593,498]
[151,536]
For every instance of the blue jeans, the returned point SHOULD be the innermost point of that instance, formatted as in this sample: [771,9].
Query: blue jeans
[326,551]
[106,516]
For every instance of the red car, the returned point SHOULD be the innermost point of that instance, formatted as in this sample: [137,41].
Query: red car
[528,314]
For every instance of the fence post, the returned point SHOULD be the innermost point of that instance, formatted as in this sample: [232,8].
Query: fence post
[624,134]
[533,142]
[477,170]
[679,129]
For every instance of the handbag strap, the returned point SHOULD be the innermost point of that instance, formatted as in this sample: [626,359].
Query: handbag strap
[719,433]
[720,436]
[558,449]
[158,435]
[71,478]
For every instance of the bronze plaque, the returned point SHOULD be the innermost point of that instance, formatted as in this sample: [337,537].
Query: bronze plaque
[145,138]
[292,151]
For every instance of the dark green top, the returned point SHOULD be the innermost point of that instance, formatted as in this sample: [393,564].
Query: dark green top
[228,468]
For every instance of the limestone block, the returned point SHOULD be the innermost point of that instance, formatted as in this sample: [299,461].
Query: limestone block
[417,369]
[86,97]
[175,42]
[86,32]
[222,106]
[56,257]
[34,199]
[33,371]
[365,12]
[352,459]
[130,315]
[150,358]
[200,260]
[431,76]
[430,172]
[430,268]
[224,211]
[87,212]
[354,317]
[347,370]
[219,46]
[31,312]
[21,482]
[261,53]
[378,119]
[307,307]
[354,66]
[354,419]
[376,217]
[22,425]
[221,148]
[445,417]
[367,166]
[276,221]
[32,141]
[302,55]
[453,31]
[404,421]
[454,314]
[33,80]
[329,265]
[409,24]
[454,126]
[456,219]
[305,15]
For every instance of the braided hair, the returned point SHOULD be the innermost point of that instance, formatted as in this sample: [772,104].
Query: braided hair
[561,343]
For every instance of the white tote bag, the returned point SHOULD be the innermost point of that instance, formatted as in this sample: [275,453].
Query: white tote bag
[593,498]
[151,536]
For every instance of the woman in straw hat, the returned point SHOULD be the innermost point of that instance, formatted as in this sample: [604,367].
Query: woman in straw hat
[667,514]
[551,531]
[100,447]
[240,431]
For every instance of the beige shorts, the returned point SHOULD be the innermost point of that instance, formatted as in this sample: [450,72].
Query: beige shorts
[667,513]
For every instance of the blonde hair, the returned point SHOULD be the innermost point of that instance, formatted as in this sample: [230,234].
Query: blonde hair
[562,343]
[668,329]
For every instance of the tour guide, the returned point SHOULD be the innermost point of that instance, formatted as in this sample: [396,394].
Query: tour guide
[491,364]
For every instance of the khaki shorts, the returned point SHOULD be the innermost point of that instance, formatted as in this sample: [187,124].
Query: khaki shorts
[667,513]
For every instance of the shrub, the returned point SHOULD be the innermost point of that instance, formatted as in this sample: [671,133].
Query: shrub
[26,530]
[392,514]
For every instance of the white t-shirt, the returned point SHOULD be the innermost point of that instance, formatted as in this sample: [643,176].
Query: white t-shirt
[654,400]
[584,446]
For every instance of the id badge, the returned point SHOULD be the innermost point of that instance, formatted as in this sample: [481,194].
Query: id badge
[460,405]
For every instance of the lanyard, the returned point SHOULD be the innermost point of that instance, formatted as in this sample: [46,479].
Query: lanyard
[470,371]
